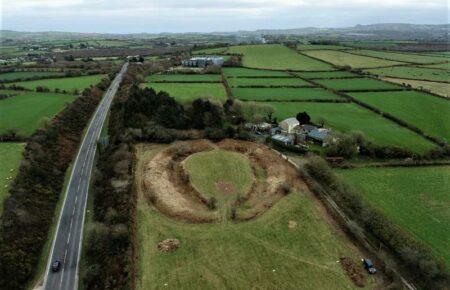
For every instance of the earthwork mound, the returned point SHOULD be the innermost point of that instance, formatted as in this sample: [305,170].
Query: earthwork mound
[201,181]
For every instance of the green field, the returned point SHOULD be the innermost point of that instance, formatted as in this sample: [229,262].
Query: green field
[326,75]
[20,75]
[442,89]
[282,94]
[206,169]
[267,82]
[218,50]
[439,65]
[427,112]
[184,78]
[401,56]
[26,111]
[320,46]
[68,84]
[341,58]
[357,84]
[408,72]
[248,72]
[276,56]
[10,156]
[351,117]
[186,92]
[258,254]
[415,198]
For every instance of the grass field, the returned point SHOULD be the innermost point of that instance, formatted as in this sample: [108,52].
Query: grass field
[191,91]
[207,169]
[276,56]
[357,84]
[320,46]
[26,111]
[248,72]
[341,58]
[259,254]
[442,89]
[429,113]
[69,84]
[409,72]
[403,57]
[416,198]
[325,75]
[439,65]
[185,78]
[351,117]
[10,156]
[282,94]
[219,50]
[19,75]
[267,82]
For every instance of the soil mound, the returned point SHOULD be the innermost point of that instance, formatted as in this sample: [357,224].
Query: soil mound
[168,245]
[353,270]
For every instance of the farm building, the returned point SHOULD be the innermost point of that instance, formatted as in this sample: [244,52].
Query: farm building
[283,139]
[203,61]
[319,136]
[288,125]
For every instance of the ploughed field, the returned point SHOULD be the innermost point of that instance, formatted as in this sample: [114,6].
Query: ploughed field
[442,89]
[26,111]
[415,198]
[409,72]
[261,233]
[10,156]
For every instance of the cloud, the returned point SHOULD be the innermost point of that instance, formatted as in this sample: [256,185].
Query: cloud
[207,15]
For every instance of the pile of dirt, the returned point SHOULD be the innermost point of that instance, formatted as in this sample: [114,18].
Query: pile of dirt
[168,245]
[353,270]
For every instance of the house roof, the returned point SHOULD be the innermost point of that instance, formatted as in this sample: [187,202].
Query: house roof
[290,122]
[282,138]
[319,134]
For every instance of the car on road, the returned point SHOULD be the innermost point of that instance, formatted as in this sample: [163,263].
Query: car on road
[368,265]
[56,265]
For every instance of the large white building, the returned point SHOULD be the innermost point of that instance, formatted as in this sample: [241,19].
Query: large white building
[287,126]
[203,61]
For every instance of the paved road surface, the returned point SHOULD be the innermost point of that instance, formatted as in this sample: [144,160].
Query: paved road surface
[68,238]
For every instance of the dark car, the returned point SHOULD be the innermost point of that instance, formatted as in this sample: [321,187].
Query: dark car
[368,264]
[56,266]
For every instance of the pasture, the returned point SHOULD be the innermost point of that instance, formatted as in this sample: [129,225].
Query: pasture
[283,94]
[409,72]
[267,82]
[350,117]
[442,89]
[326,74]
[27,111]
[414,198]
[357,84]
[10,157]
[218,50]
[278,57]
[186,92]
[320,46]
[248,72]
[340,58]
[291,239]
[207,169]
[21,75]
[160,78]
[69,84]
[439,65]
[401,56]
[426,112]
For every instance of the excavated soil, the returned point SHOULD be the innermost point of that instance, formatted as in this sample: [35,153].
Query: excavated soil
[168,187]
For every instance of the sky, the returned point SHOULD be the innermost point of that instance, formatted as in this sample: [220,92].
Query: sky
[155,16]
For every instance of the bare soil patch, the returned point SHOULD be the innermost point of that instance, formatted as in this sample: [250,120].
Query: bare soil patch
[168,245]
[167,185]
[353,270]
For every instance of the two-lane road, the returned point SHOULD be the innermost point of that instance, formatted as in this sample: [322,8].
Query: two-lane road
[67,242]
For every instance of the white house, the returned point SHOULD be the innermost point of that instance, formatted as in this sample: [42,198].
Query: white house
[288,125]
